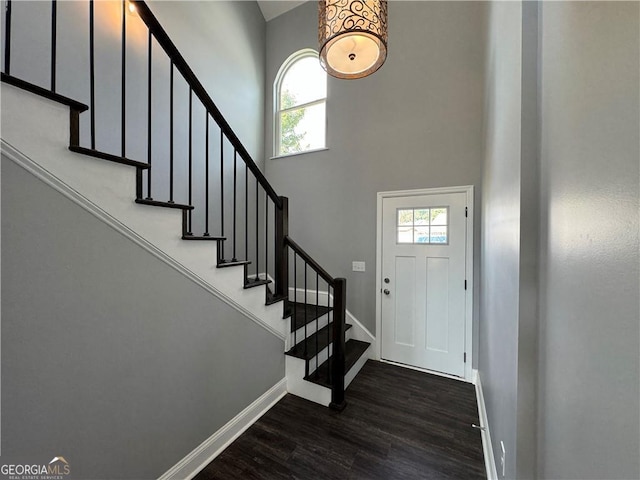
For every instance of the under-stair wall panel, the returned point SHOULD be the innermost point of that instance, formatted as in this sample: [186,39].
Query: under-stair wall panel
[110,357]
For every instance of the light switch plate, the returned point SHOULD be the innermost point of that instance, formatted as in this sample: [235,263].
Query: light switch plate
[358,266]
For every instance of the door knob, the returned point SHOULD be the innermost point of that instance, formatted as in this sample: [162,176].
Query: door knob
[386,291]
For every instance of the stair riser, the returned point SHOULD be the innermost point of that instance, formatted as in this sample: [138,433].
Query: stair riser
[300,387]
[299,334]
[321,357]
[324,354]
[311,297]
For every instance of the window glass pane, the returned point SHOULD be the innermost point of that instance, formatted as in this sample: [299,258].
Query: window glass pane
[439,216]
[304,82]
[423,226]
[405,235]
[302,129]
[422,216]
[405,217]
[439,234]
[421,235]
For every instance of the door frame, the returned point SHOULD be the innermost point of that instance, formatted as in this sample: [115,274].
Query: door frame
[468,330]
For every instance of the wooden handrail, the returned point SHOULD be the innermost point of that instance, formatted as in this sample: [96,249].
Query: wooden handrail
[307,258]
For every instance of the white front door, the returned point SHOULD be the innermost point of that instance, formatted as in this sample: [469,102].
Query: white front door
[423,301]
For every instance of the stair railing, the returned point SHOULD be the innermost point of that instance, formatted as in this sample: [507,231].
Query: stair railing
[235,206]
[308,279]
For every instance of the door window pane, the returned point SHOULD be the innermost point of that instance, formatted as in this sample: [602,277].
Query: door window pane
[405,234]
[422,216]
[439,216]
[423,226]
[438,234]
[421,235]
[405,217]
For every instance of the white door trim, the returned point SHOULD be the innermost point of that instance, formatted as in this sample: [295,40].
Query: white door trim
[468,340]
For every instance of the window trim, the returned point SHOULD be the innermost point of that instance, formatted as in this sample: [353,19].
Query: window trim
[284,68]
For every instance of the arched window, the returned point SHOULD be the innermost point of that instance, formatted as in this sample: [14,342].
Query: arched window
[300,105]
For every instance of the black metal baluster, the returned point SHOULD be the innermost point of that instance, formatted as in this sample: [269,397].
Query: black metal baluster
[305,318]
[257,231]
[7,39]
[171,134]
[206,176]
[266,236]
[221,244]
[295,298]
[124,79]
[92,75]
[329,346]
[54,26]
[149,55]
[190,232]
[246,214]
[235,180]
[317,321]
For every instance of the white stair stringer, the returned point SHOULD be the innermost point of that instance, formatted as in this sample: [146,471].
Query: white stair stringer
[353,371]
[37,130]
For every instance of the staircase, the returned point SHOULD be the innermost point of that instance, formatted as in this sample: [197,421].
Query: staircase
[201,203]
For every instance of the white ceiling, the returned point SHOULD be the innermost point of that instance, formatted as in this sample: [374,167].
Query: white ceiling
[273,8]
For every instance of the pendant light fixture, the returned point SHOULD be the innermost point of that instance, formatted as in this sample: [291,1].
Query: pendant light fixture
[352,36]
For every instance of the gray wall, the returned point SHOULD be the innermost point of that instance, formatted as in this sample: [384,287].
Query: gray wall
[500,246]
[559,324]
[223,42]
[415,123]
[527,402]
[111,358]
[589,338]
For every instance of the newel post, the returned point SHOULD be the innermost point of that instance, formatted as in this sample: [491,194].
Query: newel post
[338,364]
[281,257]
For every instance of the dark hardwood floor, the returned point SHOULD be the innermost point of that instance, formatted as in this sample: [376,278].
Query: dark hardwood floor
[398,424]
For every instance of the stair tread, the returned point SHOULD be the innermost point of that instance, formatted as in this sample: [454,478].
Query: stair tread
[108,156]
[255,282]
[232,263]
[157,203]
[203,237]
[353,351]
[273,298]
[304,313]
[323,337]
[43,92]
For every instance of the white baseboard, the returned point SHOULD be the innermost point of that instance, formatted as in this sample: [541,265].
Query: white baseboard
[199,458]
[487,447]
